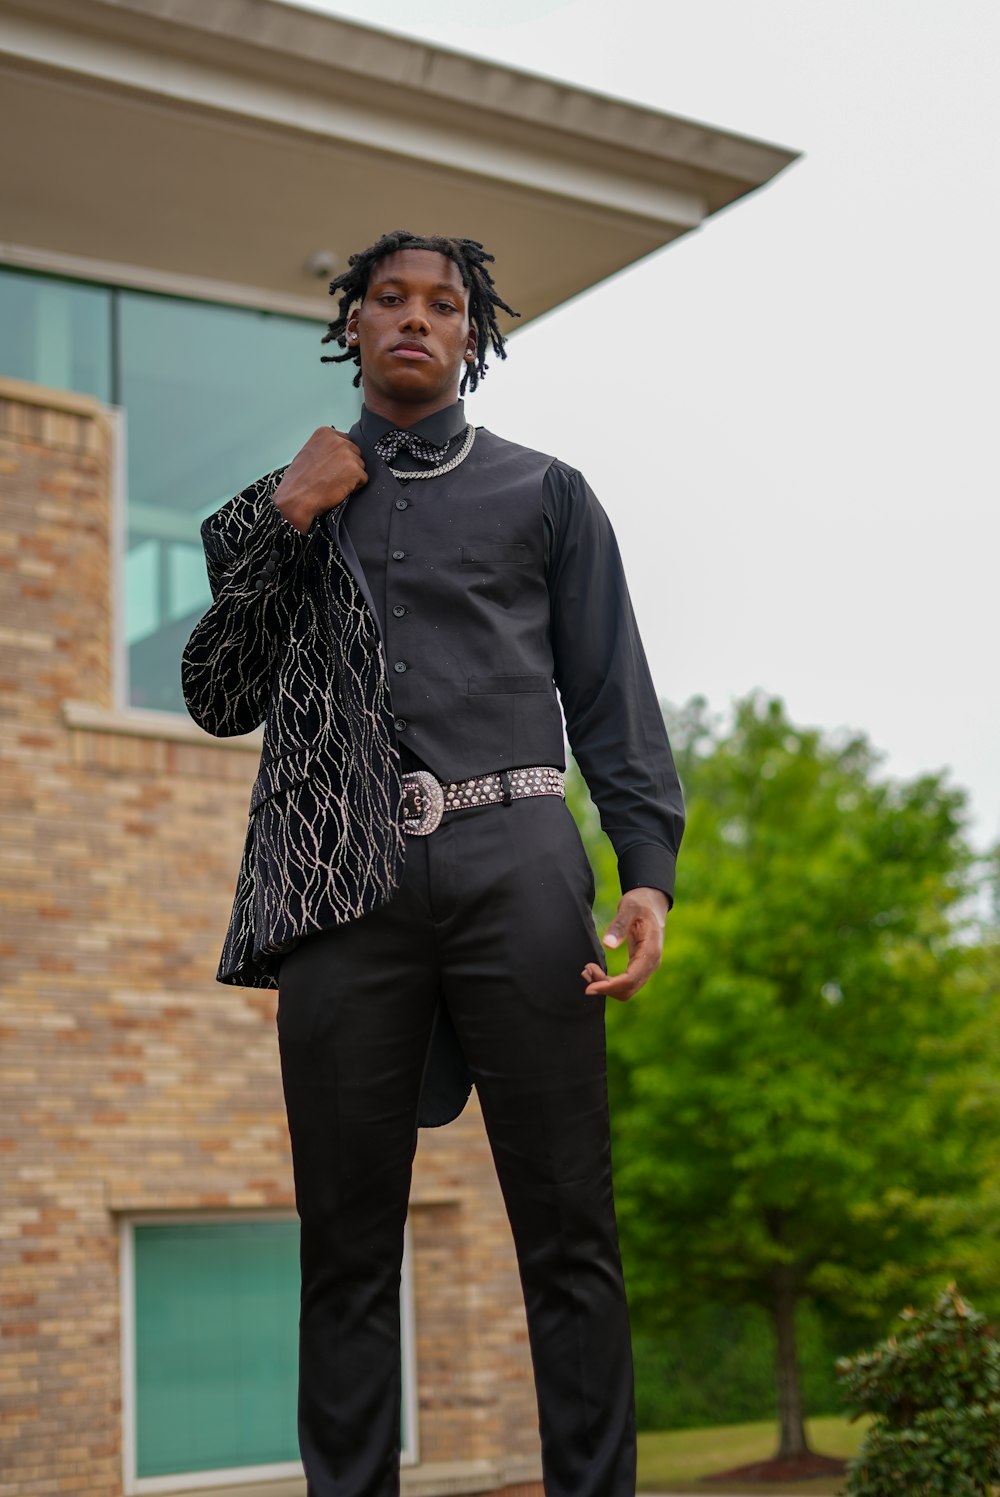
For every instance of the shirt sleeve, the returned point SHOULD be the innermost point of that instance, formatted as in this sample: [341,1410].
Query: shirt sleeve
[613,718]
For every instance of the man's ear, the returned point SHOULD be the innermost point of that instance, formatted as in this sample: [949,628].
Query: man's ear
[352,327]
[471,348]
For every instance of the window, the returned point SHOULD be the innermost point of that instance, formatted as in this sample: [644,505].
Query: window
[214,397]
[209,1352]
[56,333]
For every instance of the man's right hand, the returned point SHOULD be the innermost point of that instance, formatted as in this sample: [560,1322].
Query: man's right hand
[321,476]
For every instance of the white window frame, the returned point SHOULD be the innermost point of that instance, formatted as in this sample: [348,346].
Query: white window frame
[119,519]
[139,1486]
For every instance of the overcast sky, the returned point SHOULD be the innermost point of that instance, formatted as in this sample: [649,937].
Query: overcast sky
[816,368]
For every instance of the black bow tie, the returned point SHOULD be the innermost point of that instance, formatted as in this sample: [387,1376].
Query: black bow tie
[390,443]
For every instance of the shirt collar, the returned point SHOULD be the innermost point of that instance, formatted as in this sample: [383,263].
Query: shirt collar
[439,428]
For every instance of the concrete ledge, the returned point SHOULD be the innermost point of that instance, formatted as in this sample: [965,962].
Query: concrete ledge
[25,393]
[289,1486]
[442,1478]
[62,420]
[143,722]
[434,1479]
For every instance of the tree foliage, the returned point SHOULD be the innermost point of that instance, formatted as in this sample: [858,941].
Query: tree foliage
[800,1100]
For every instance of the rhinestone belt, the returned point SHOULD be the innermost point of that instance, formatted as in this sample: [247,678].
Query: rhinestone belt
[425,799]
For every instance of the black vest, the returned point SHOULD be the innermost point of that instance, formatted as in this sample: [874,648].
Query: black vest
[456,570]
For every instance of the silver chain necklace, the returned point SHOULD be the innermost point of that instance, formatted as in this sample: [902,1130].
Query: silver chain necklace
[460,456]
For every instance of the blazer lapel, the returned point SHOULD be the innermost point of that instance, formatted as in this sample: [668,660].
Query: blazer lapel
[341,538]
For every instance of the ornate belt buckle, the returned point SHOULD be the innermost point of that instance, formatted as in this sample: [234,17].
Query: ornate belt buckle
[423,803]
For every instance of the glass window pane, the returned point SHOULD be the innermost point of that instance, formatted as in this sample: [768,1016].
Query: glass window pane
[55,333]
[216,1328]
[215,1334]
[215,396]
[187,580]
[141,589]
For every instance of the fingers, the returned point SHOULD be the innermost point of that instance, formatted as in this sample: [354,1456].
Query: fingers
[325,472]
[638,923]
[328,445]
[329,468]
[643,962]
[593,973]
[331,436]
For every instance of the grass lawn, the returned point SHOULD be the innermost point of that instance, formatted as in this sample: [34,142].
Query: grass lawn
[674,1461]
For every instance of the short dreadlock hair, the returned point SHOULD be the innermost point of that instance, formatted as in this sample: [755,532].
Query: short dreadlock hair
[472,261]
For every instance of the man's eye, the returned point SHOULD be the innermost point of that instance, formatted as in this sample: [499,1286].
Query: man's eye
[445,306]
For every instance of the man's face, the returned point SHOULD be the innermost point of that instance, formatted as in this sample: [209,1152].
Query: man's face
[413,330]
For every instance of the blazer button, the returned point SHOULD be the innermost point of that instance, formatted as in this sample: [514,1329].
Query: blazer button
[398,611]
[402,503]
[398,555]
[400,724]
[399,667]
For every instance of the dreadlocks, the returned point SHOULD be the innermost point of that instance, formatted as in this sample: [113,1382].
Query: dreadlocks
[472,261]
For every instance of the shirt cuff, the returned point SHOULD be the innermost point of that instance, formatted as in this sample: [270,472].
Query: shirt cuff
[647,867]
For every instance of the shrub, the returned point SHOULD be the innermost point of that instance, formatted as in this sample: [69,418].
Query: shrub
[934,1392]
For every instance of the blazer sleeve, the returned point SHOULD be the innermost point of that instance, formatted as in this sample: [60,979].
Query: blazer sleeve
[254,558]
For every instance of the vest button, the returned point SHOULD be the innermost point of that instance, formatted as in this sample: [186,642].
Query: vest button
[398,555]
[398,611]
[399,667]
[402,503]
[400,724]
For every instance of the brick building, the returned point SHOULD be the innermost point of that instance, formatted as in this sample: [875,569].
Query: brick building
[157,349]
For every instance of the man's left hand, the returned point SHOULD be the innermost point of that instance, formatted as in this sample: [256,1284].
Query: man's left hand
[640,922]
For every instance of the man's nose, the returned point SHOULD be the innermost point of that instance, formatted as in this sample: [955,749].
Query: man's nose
[414,319]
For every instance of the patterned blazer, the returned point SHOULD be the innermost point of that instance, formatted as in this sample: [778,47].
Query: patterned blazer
[290,641]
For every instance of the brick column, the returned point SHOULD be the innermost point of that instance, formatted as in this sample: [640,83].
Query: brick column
[129,1079]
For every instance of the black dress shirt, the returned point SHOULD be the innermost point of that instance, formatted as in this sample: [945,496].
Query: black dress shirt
[613,719]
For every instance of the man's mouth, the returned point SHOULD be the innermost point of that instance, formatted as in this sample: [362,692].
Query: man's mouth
[411,351]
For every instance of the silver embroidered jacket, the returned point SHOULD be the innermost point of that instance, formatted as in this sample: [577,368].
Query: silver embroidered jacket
[289,641]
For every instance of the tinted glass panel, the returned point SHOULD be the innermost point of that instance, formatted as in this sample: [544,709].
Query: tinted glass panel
[216,1327]
[56,333]
[216,396]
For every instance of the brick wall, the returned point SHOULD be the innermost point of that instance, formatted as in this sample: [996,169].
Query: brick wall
[129,1079]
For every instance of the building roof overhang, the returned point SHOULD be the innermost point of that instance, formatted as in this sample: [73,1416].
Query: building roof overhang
[222,143]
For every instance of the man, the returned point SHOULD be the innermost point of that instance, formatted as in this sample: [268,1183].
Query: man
[412,880]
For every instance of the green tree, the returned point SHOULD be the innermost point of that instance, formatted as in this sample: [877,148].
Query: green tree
[800,1112]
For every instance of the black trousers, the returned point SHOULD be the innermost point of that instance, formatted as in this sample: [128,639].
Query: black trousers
[493,915]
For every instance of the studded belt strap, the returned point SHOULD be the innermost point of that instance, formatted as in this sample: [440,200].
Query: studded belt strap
[425,799]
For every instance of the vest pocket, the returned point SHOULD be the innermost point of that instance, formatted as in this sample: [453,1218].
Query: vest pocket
[280,774]
[488,553]
[502,685]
